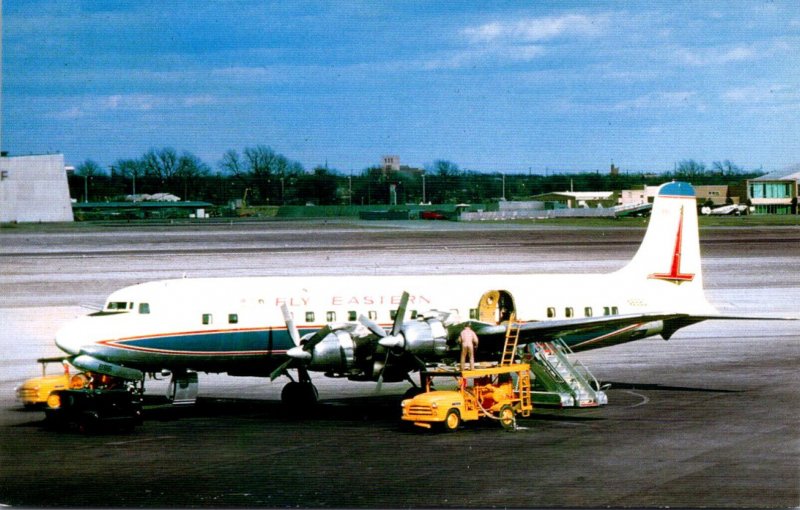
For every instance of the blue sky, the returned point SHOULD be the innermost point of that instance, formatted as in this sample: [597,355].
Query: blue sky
[490,86]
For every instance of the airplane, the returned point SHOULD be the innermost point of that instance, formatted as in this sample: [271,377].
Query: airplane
[725,210]
[383,328]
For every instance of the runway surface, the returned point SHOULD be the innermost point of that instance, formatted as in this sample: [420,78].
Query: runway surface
[707,419]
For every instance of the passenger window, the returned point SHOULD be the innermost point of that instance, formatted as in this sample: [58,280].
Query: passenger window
[414,314]
[309,316]
[473,313]
[330,316]
[587,312]
[208,318]
[233,318]
[373,315]
[568,312]
[352,315]
[144,308]
[392,314]
[551,312]
[614,310]
[606,310]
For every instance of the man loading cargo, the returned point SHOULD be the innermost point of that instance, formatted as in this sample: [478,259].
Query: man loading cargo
[469,342]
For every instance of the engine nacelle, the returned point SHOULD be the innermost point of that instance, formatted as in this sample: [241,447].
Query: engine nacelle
[427,337]
[335,353]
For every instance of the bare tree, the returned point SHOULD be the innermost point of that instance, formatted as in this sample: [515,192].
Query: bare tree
[260,168]
[162,164]
[89,168]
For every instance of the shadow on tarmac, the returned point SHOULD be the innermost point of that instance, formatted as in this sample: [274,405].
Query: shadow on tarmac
[660,387]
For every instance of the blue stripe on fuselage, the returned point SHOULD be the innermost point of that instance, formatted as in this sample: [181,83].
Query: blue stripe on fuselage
[212,343]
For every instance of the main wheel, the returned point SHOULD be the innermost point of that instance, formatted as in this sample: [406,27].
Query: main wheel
[452,420]
[506,416]
[299,395]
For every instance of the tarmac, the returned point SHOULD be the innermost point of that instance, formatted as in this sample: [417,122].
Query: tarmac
[706,419]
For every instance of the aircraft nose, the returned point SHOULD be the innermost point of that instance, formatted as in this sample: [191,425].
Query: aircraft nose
[70,339]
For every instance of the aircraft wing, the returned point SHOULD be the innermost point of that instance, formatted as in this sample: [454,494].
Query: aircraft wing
[545,331]
[698,318]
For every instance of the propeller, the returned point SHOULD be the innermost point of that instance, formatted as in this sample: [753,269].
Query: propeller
[301,352]
[389,341]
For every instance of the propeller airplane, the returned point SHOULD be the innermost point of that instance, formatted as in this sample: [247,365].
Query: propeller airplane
[382,329]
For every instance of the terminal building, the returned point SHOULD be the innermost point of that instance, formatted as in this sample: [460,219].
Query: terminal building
[34,189]
[775,192]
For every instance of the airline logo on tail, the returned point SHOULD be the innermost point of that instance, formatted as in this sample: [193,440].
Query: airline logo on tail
[675,276]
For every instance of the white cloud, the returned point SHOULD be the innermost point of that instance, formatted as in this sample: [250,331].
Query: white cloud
[700,57]
[129,103]
[482,56]
[767,95]
[679,99]
[537,29]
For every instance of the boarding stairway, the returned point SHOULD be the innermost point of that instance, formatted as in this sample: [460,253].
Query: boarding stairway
[557,380]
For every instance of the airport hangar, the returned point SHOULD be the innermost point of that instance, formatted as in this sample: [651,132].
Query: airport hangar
[34,189]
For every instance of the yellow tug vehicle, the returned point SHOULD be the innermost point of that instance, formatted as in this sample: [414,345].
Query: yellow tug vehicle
[35,391]
[490,391]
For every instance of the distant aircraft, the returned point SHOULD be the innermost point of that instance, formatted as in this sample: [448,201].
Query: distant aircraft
[368,328]
[725,210]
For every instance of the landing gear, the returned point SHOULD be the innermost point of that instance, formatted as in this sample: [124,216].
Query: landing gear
[300,394]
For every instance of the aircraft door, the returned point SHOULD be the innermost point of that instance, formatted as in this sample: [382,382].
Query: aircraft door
[495,306]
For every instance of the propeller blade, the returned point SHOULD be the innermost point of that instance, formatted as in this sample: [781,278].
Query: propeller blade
[318,336]
[401,314]
[280,370]
[383,369]
[372,326]
[290,326]
[299,353]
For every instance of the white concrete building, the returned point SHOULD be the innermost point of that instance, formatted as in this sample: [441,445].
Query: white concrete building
[34,189]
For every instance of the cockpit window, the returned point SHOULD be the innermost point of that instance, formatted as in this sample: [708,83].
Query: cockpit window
[144,308]
[117,305]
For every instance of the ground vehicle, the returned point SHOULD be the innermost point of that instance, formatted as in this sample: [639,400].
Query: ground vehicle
[91,409]
[485,392]
[35,391]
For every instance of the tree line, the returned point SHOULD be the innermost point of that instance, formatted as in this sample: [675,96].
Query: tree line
[262,176]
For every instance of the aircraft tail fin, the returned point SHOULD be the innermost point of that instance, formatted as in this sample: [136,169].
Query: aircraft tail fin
[668,260]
